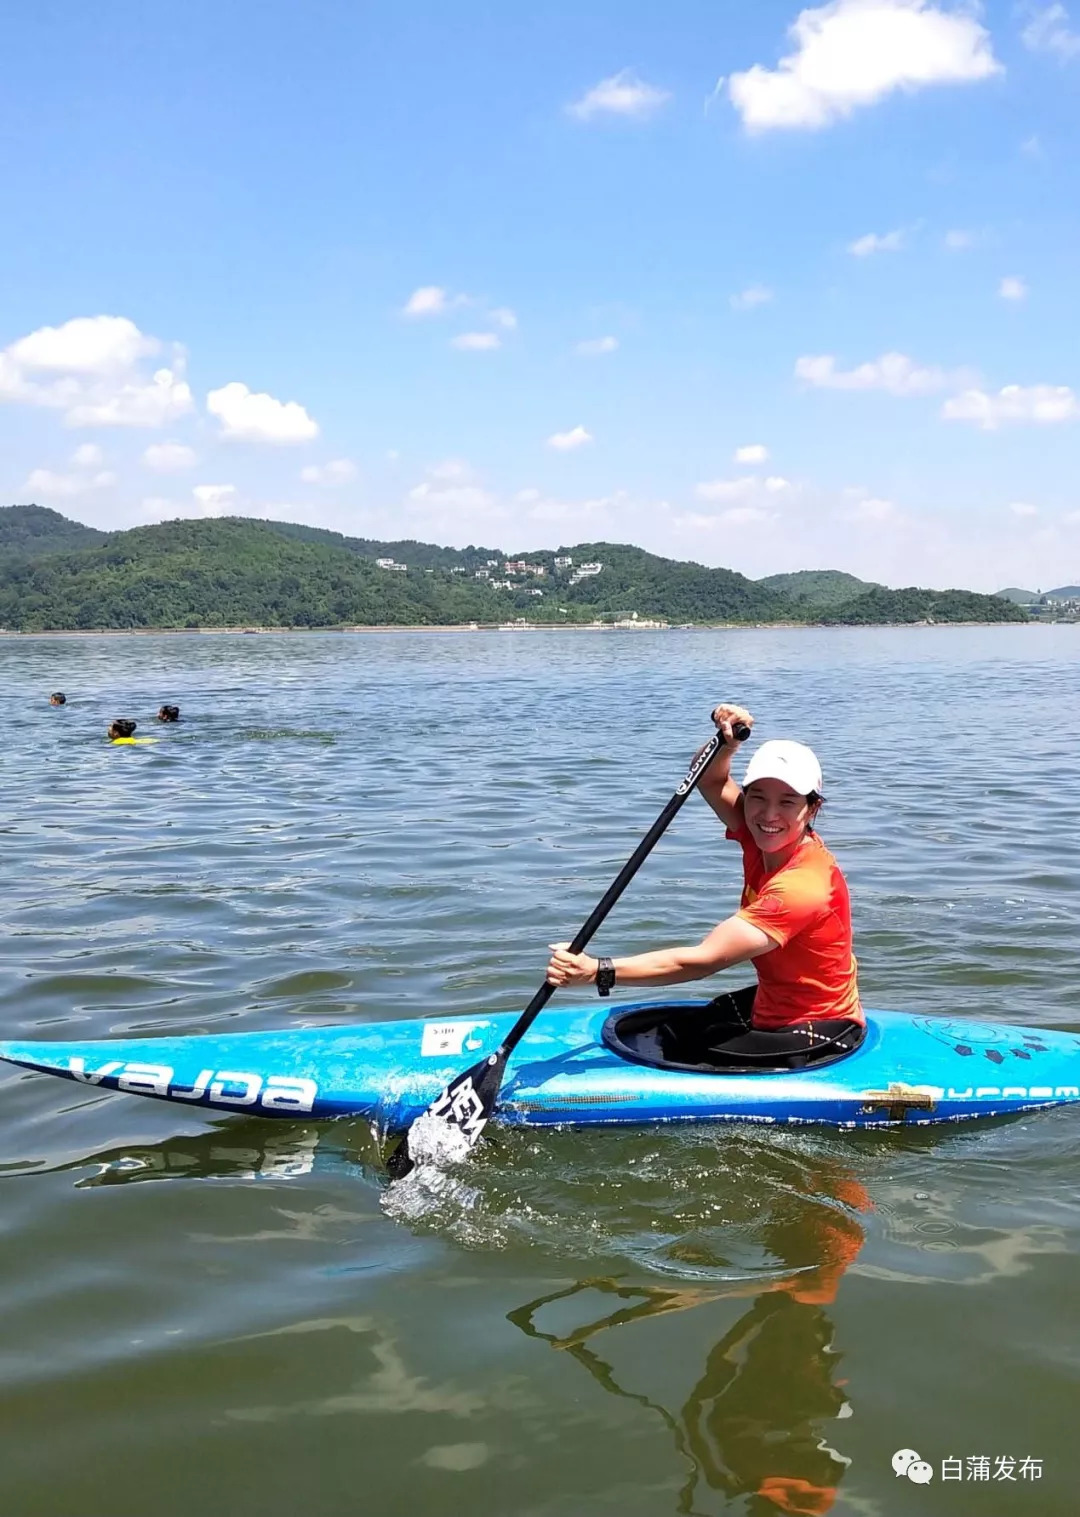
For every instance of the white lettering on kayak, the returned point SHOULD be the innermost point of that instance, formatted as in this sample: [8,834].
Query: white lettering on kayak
[1018,1092]
[193,1092]
[285,1093]
[249,1095]
[225,1087]
[145,1079]
[86,1076]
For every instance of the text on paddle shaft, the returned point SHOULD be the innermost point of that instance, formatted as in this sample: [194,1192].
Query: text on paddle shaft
[225,1087]
[702,761]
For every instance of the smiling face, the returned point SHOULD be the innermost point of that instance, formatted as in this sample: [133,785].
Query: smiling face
[776,815]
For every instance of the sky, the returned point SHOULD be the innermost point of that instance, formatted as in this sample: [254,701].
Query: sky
[756,286]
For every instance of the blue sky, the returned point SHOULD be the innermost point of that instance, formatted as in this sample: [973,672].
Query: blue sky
[759,287]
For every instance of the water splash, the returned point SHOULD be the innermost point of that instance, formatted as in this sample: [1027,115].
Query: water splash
[432,1187]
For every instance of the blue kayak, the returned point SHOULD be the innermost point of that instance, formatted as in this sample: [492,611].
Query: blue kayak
[580,1066]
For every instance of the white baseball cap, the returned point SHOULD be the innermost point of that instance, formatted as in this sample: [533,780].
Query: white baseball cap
[780,759]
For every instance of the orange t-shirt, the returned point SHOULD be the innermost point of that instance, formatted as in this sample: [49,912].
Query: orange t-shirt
[804,908]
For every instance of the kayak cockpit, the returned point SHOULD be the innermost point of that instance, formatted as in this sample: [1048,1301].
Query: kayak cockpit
[683,1036]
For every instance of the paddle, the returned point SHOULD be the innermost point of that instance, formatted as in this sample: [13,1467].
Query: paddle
[468,1101]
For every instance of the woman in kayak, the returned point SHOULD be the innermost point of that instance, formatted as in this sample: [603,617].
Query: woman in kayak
[794,922]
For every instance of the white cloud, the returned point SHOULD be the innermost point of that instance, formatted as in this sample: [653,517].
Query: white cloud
[476,342]
[215,499]
[451,469]
[894,372]
[851,53]
[958,241]
[580,516]
[1023,508]
[258,417]
[169,457]
[504,317]
[726,489]
[564,442]
[48,485]
[136,404]
[734,516]
[624,94]
[743,516]
[85,345]
[753,295]
[747,488]
[595,347]
[872,242]
[429,300]
[1048,31]
[91,369]
[88,456]
[872,508]
[752,453]
[339,471]
[1038,404]
[455,496]
[1012,288]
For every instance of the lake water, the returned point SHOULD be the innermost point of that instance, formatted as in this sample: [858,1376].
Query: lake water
[206,1315]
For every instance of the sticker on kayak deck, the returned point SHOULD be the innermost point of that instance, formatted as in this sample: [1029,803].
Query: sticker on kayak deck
[449,1038]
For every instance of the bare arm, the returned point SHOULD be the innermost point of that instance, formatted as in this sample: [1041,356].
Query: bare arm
[723,793]
[732,942]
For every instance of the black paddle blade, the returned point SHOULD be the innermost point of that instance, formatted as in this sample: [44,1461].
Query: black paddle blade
[465,1104]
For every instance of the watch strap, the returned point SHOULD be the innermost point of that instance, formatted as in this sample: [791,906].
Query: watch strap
[605,976]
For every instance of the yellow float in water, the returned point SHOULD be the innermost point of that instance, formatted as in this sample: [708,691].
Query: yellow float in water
[133,740]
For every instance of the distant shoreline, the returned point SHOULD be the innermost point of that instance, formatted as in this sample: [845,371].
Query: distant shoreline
[502,627]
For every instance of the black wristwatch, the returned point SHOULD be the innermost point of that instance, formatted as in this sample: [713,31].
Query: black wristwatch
[605,976]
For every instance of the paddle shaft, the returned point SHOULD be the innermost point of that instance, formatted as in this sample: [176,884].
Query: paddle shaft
[621,880]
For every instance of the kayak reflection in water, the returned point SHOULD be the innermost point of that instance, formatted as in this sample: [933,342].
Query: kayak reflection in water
[793,922]
[752,1426]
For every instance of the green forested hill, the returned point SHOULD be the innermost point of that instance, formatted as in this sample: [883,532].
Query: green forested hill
[224,573]
[234,572]
[912,605]
[404,551]
[239,572]
[633,580]
[30,531]
[819,587]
